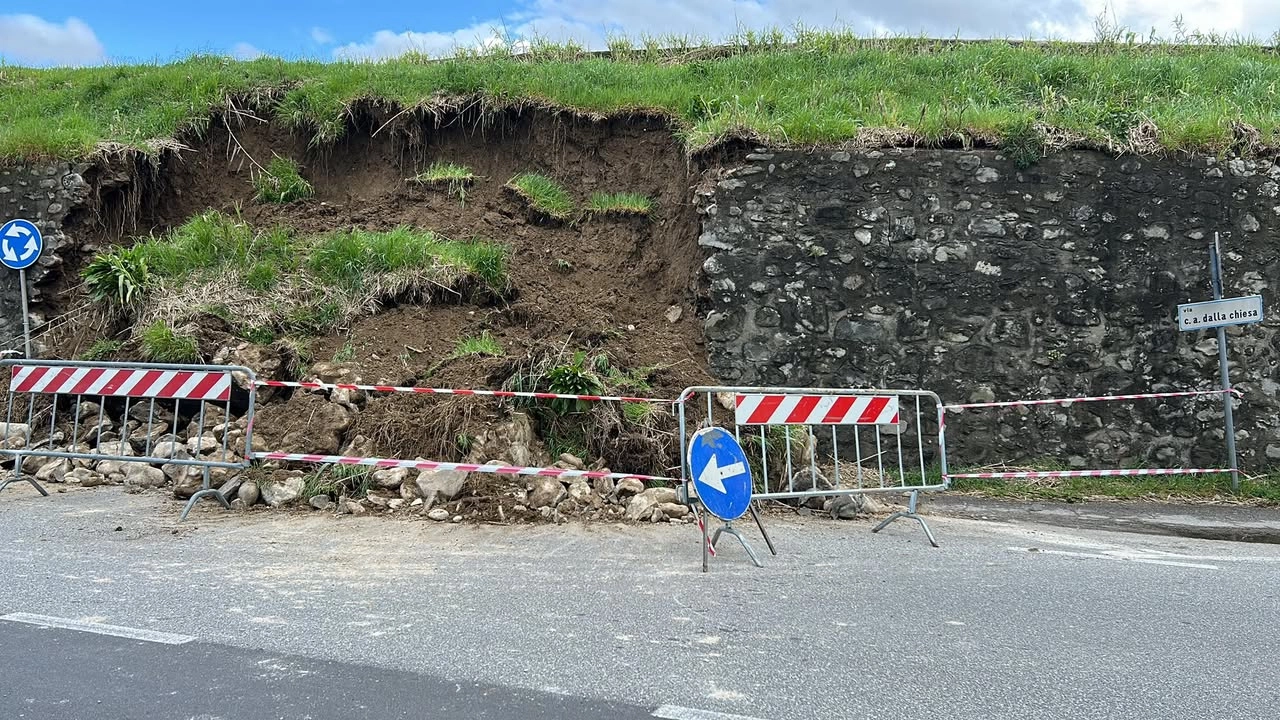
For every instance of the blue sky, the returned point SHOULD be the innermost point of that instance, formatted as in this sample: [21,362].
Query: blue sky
[83,32]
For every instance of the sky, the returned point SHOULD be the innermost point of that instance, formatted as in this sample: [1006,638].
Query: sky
[90,32]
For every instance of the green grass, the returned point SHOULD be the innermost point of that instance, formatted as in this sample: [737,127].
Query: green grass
[543,195]
[161,343]
[454,178]
[102,349]
[345,353]
[274,282]
[281,182]
[620,204]
[801,88]
[483,344]
[1157,487]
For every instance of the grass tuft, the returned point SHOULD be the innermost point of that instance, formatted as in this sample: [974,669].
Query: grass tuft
[161,343]
[483,344]
[453,178]
[544,195]
[620,204]
[102,349]
[281,182]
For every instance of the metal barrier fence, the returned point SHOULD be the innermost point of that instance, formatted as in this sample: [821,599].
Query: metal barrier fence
[807,443]
[1069,402]
[47,400]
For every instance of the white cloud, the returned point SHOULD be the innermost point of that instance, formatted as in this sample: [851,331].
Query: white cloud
[245,51]
[28,39]
[591,22]
[321,36]
[385,43]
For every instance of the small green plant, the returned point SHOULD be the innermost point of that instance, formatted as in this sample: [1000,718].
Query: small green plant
[564,265]
[574,378]
[102,349]
[260,335]
[465,442]
[483,344]
[345,353]
[455,179]
[1023,143]
[334,480]
[638,413]
[162,343]
[544,195]
[624,203]
[281,182]
[120,276]
[262,276]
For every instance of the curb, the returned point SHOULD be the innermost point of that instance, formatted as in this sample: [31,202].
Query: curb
[1203,522]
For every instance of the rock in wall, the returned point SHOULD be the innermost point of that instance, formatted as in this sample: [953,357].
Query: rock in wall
[962,273]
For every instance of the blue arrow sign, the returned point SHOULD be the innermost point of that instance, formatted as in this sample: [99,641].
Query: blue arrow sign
[720,473]
[20,244]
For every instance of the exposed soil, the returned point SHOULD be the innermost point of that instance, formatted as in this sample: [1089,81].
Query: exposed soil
[606,284]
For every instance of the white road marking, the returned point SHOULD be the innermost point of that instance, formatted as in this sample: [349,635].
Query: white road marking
[1121,555]
[675,712]
[99,628]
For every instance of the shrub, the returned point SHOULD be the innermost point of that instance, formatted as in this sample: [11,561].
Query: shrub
[573,378]
[543,195]
[281,182]
[120,276]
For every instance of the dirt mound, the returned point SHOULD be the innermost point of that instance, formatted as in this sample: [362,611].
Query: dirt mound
[621,287]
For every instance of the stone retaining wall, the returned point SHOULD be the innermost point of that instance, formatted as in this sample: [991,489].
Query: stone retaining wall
[962,273]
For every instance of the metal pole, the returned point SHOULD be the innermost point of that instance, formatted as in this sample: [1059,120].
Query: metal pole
[26,317]
[1215,257]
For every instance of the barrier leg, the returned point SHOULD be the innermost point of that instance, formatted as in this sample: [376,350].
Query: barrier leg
[910,514]
[755,513]
[205,491]
[729,529]
[17,475]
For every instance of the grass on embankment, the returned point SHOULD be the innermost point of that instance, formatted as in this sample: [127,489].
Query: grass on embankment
[272,282]
[1264,489]
[810,88]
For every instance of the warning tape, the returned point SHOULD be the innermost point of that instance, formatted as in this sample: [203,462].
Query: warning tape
[711,549]
[461,467]
[1087,473]
[456,391]
[1096,398]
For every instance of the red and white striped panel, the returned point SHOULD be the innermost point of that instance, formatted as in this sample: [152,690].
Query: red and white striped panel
[817,410]
[118,382]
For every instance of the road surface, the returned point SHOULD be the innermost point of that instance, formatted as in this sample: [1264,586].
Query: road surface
[270,615]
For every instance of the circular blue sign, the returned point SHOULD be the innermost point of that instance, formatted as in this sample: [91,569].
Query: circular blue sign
[720,472]
[20,244]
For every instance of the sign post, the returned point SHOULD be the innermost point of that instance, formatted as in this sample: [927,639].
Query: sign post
[721,474]
[1219,313]
[20,247]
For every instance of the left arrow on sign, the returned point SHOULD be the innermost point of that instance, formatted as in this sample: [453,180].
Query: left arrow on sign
[714,476]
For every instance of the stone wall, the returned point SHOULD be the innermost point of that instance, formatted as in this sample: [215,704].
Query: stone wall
[962,273]
[43,194]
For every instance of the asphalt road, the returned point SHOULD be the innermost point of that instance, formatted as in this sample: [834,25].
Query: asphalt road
[311,616]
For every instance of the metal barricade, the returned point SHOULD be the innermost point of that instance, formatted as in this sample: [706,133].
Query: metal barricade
[92,412]
[807,443]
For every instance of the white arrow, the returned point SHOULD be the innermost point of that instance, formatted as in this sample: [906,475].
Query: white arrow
[8,251]
[714,476]
[31,249]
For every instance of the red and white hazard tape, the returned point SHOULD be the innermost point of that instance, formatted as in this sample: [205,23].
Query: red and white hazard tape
[456,391]
[1096,398]
[460,467]
[1087,473]
[121,382]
